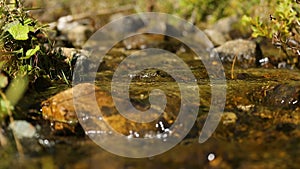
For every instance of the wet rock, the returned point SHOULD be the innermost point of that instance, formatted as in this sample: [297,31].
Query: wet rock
[65,23]
[143,41]
[73,31]
[225,25]
[79,34]
[80,60]
[60,111]
[215,36]
[247,53]
[71,54]
[128,25]
[143,28]
[282,95]
[22,129]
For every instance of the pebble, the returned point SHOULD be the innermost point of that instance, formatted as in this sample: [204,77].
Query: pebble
[22,129]
[229,118]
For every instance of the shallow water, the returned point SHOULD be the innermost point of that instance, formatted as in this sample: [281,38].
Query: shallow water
[261,129]
[265,133]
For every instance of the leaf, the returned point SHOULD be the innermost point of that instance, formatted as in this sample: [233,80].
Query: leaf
[246,19]
[255,34]
[31,52]
[19,31]
[25,68]
[28,21]
[7,26]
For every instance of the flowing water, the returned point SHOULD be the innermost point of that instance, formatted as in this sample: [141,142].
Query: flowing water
[260,127]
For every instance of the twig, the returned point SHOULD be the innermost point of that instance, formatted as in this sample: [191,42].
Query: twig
[232,67]
[11,119]
[3,140]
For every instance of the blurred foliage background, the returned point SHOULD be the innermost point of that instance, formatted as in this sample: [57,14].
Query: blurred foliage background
[277,20]
[198,10]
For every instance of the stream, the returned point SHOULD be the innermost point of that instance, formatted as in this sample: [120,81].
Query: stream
[259,128]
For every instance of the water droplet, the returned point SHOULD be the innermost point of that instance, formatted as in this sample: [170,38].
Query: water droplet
[165,135]
[136,134]
[211,156]
[162,126]
[46,142]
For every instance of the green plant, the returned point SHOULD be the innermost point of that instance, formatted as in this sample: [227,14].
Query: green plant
[24,46]
[26,55]
[4,106]
[282,26]
[20,37]
[8,100]
[10,93]
[202,10]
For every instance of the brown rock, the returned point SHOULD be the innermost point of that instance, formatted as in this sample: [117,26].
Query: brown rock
[60,110]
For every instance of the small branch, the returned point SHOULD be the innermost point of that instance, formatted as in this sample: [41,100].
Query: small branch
[232,67]
[3,140]
[11,119]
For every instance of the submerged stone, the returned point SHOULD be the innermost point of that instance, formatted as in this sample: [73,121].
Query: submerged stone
[22,129]
[66,109]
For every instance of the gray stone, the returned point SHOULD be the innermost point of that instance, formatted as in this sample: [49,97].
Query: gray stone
[75,31]
[126,25]
[79,35]
[247,52]
[224,25]
[22,129]
[215,36]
